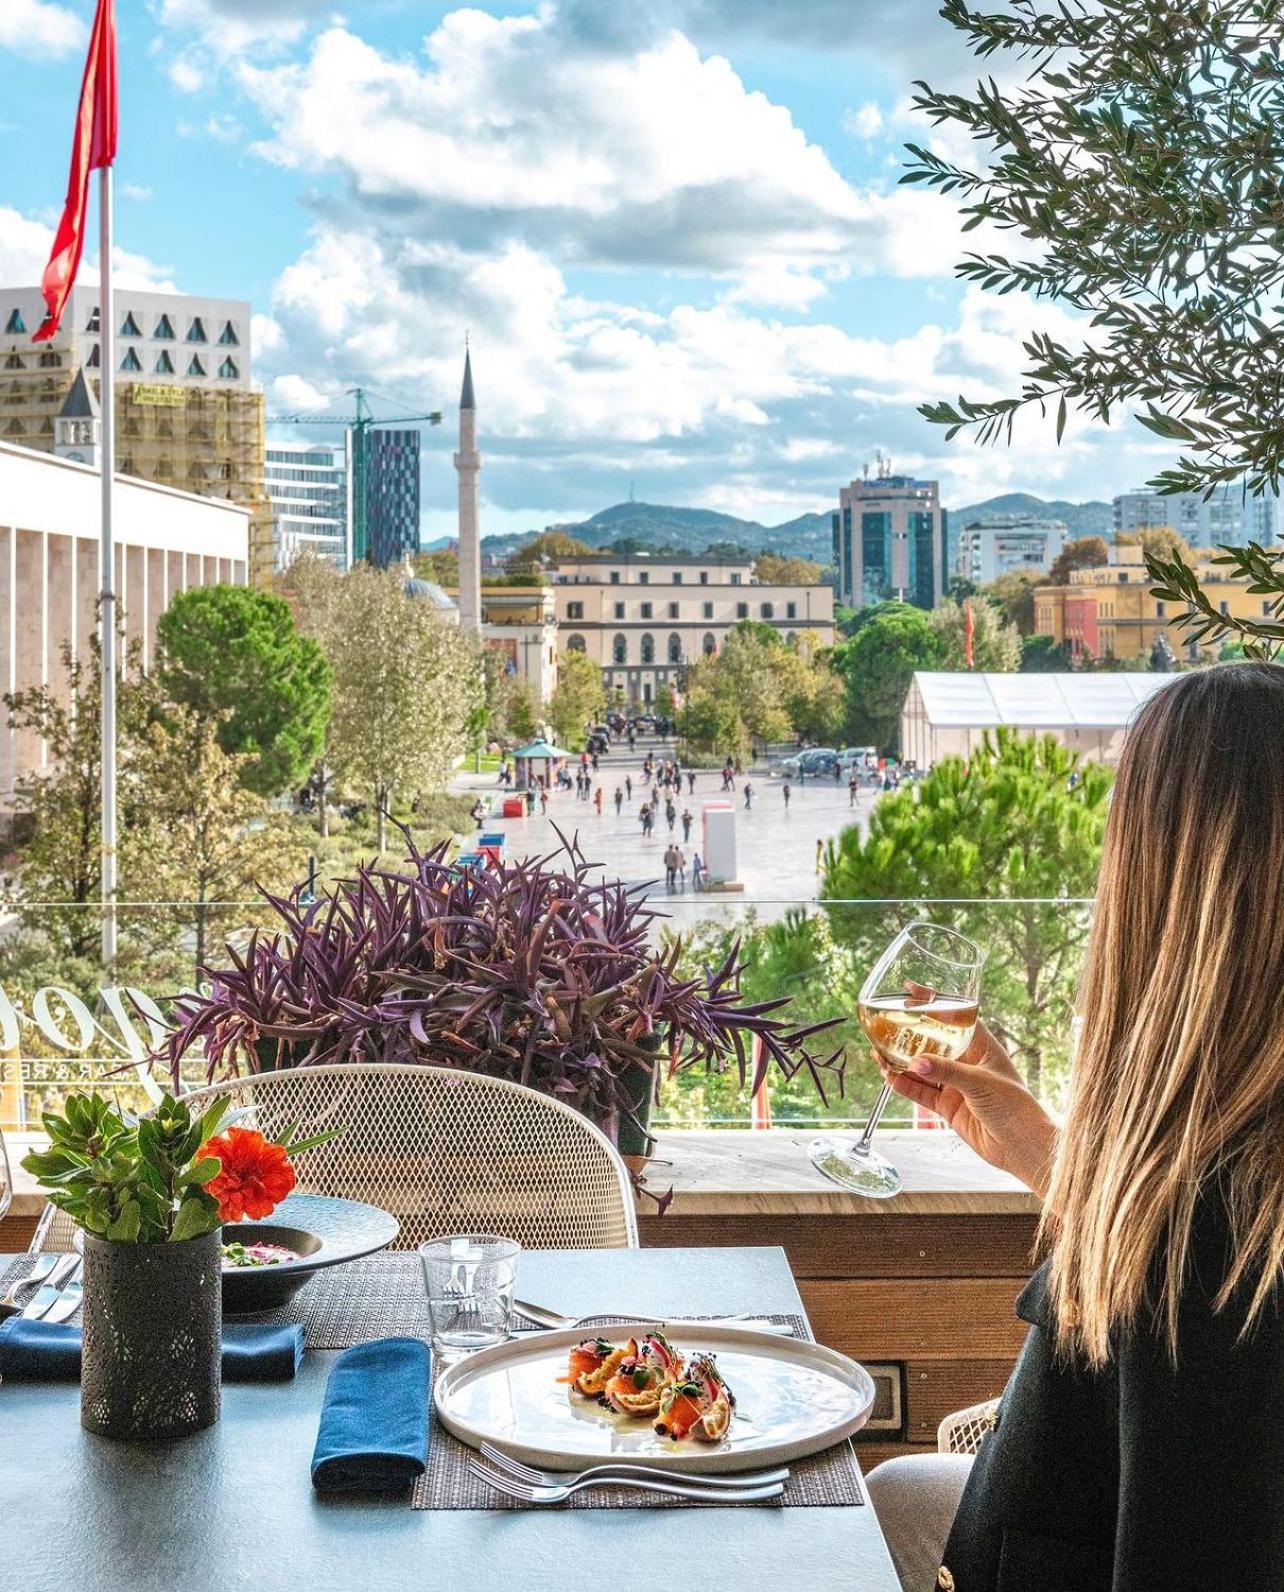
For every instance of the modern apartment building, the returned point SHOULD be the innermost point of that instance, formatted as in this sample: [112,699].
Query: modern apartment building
[385,467]
[990,547]
[1109,611]
[187,413]
[890,541]
[1227,519]
[307,487]
[643,618]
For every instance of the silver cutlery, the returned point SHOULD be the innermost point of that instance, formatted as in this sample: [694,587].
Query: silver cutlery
[52,1291]
[43,1266]
[554,1320]
[67,1303]
[620,1471]
[528,1493]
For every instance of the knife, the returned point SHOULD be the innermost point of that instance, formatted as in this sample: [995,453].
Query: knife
[52,1290]
[67,1304]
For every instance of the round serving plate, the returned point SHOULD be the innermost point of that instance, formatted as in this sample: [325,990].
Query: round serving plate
[792,1399]
[326,1232]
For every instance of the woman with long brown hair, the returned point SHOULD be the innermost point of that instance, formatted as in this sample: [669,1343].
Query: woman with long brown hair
[1140,1441]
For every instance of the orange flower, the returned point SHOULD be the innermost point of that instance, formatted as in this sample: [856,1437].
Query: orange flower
[255,1175]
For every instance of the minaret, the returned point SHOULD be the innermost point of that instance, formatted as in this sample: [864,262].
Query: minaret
[468,463]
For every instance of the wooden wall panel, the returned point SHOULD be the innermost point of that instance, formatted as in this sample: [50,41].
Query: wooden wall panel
[917,1318]
[936,1388]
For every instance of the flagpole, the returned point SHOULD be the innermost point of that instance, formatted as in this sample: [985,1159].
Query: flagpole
[107,564]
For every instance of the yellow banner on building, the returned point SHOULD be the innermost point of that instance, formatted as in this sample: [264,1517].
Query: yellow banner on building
[157,395]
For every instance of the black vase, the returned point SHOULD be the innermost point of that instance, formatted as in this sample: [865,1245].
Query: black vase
[153,1338]
[637,1084]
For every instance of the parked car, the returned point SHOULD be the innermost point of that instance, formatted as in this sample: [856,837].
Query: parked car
[857,757]
[814,760]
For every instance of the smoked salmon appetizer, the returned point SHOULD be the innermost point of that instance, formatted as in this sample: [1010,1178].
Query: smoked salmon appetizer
[649,1380]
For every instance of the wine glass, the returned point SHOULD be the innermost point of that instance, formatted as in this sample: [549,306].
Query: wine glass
[920,999]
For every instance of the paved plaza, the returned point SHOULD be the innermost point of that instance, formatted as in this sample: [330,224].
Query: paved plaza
[775,845]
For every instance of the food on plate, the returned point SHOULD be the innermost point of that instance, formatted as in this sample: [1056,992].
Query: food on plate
[649,1380]
[258,1254]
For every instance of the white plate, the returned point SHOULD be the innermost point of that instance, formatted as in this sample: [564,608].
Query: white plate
[792,1398]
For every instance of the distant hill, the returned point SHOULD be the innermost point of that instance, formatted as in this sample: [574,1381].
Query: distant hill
[1084,519]
[657,525]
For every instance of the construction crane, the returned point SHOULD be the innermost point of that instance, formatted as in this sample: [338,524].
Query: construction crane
[358,428]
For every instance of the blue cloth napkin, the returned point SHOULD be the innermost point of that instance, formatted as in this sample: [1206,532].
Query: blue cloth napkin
[49,1351]
[373,1435]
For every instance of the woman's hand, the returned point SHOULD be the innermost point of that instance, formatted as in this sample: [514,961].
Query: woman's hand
[983,1099]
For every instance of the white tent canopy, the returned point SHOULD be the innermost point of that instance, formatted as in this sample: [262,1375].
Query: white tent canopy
[946,715]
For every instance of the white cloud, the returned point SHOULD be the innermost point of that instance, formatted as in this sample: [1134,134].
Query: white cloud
[39,29]
[232,27]
[186,74]
[866,121]
[223,128]
[24,252]
[661,158]
[137,191]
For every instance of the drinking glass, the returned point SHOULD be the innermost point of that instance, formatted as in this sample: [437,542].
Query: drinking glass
[920,999]
[470,1278]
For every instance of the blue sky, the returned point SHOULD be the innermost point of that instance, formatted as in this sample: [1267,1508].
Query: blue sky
[671,227]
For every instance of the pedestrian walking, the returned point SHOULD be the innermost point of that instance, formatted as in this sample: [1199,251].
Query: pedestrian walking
[748,796]
[687,820]
[697,873]
[786,793]
[671,866]
[838,772]
[820,854]
[853,789]
[597,800]
[670,815]
[530,802]
[691,782]
[628,786]
[543,800]
[682,867]
[619,800]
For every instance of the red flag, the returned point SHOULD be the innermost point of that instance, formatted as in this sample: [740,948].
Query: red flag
[93,145]
[969,630]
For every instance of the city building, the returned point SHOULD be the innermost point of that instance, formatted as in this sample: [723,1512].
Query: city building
[187,412]
[1227,519]
[520,624]
[167,540]
[1108,611]
[949,715]
[307,487]
[989,547]
[643,617]
[468,466]
[891,541]
[385,466]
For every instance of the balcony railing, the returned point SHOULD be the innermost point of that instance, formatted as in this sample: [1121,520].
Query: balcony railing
[62,1025]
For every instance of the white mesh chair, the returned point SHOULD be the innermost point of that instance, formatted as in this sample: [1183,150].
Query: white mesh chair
[54,1231]
[963,1431]
[446,1150]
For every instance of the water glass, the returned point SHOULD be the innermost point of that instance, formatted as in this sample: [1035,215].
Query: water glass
[471,1279]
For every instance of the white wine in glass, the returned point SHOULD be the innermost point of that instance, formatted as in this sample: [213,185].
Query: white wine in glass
[920,1000]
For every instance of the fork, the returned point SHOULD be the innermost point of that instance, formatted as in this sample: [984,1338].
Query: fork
[528,1493]
[621,1470]
[43,1266]
[544,1317]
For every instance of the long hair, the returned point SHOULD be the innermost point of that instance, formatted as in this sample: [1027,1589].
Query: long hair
[1179,1077]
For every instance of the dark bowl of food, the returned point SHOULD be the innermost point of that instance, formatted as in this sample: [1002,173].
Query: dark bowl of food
[265,1263]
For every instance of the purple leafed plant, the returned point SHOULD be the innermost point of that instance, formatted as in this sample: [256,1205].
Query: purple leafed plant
[528,972]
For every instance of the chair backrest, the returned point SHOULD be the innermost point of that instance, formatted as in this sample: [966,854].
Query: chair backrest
[448,1151]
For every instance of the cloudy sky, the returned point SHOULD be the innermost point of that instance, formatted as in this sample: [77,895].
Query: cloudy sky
[672,228]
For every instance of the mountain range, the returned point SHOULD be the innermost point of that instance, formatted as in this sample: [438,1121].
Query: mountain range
[654,525]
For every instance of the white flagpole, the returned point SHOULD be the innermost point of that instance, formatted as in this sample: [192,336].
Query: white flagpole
[107,564]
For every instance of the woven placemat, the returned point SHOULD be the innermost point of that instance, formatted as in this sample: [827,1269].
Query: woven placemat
[384,1297]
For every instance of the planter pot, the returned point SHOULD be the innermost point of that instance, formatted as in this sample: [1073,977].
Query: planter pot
[633,1139]
[152,1337]
[273,1055]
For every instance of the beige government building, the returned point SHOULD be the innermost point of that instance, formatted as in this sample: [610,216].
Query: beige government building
[642,618]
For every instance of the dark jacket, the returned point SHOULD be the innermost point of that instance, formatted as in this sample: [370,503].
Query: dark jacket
[1138,1475]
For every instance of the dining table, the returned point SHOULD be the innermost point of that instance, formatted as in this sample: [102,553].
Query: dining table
[231,1508]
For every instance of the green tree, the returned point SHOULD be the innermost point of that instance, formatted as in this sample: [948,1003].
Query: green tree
[441,567]
[405,684]
[736,697]
[205,838]
[996,644]
[877,665]
[234,654]
[1012,593]
[1139,152]
[1042,655]
[1084,552]
[522,715]
[1158,541]
[578,700]
[1018,826]
[544,549]
[775,569]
